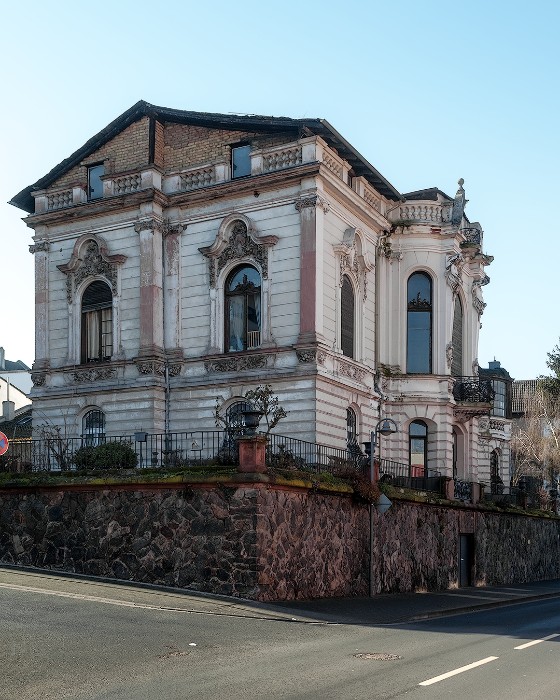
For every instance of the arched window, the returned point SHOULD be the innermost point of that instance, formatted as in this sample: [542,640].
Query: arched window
[97,323]
[496,483]
[93,428]
[351,427]
[243,309]
[457,339]
[418,448]
[419,324]
[347,318]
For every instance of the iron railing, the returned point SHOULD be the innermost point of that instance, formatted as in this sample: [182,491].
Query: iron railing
[291,453]
[171,449]
[473,390]
[405,476]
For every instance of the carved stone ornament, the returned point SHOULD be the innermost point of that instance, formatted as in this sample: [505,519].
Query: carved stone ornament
[459,204]
[174,370]
[353,259]
[151,367]
[38,378]
[449,354]
[89,259]
[309,355]
[349,370]
[41,247]
[236,363]
[151,225]
[311,202]
[237,240]
[95,374]
[453,267]
[478,304]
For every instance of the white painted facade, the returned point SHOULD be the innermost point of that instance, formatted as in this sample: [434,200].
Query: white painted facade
[161,239]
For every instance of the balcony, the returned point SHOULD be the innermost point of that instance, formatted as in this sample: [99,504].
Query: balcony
[474,397]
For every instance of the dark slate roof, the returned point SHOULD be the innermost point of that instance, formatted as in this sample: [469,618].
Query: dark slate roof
[21,426]
[248,122]
[17,366]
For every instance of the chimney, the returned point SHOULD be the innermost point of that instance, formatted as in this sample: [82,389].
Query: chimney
[8,410]
[494,365]
[2,358]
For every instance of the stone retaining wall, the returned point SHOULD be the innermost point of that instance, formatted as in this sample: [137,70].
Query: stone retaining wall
[267,542]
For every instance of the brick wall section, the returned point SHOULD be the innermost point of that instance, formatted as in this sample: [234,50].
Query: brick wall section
[159,145]
[127,151]
[187,146]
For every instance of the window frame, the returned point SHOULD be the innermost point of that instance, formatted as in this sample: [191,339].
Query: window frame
[415,469]
[245,294]
[347,318]
[93,435]
[95,314]
[92,175]
[415,308]
[237,148]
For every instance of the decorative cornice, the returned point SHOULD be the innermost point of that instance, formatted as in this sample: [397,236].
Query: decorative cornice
[41,247]
[95,374]
[151,367]
[312,201]
[237,363]
[90,258]
[151,225]
[311,355]
[237,240]
[351,371]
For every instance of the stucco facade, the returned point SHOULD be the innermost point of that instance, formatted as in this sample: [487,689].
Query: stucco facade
[332,246]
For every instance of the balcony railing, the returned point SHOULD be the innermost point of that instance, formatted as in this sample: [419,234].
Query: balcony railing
[473,390]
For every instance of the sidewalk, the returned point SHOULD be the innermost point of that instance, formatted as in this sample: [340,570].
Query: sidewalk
[403,607]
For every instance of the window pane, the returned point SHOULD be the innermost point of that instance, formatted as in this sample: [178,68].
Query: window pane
[236,323]
[95,186]
[240,161]
[347,318]
[243,278]
[420,289]
[419,342]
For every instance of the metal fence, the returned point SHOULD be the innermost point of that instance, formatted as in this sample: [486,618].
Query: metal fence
[400,474]
[145,450]
[291,453]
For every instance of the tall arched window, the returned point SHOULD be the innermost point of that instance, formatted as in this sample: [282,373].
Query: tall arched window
[457,339]
[419,324]
[418,448]
[351,426]
[243,309]
[97,323]
[347,318]
[496,483]
[93,428]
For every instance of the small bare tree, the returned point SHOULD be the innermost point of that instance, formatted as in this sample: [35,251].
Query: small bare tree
[261,399]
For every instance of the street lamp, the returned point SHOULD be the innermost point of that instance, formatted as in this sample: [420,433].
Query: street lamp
[385,427]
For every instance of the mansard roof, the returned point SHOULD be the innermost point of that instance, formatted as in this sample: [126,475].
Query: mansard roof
[249,122]
[429,194]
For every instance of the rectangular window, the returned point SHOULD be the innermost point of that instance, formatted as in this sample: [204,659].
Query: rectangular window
[240,161]
[499,407]
[95,184]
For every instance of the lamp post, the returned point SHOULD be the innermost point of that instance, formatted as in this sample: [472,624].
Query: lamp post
[385,427]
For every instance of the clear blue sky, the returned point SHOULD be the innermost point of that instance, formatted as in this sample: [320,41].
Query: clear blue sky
[427,91]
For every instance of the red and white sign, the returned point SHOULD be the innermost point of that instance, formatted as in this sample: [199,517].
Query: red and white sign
[4,443]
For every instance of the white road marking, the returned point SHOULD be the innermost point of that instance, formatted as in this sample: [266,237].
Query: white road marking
[537,641]
[443,676]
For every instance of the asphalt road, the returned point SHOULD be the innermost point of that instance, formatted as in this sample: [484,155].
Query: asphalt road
[63,638]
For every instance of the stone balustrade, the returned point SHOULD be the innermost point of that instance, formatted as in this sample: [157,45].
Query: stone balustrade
[422,213]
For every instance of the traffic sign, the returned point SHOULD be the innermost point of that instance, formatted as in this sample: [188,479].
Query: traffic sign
[4,443]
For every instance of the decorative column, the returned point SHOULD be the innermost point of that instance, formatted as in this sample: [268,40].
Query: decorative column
[41,363]
[151,292]
[312,210]
[171,291]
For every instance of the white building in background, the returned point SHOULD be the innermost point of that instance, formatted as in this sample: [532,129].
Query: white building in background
[182,256]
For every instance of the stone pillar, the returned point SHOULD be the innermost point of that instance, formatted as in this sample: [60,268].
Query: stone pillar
[171,306]
[312,209]
[40,250]
[151,291]
[252,454]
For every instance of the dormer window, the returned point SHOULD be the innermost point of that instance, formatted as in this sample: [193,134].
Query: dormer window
[95,184]
[240,161]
